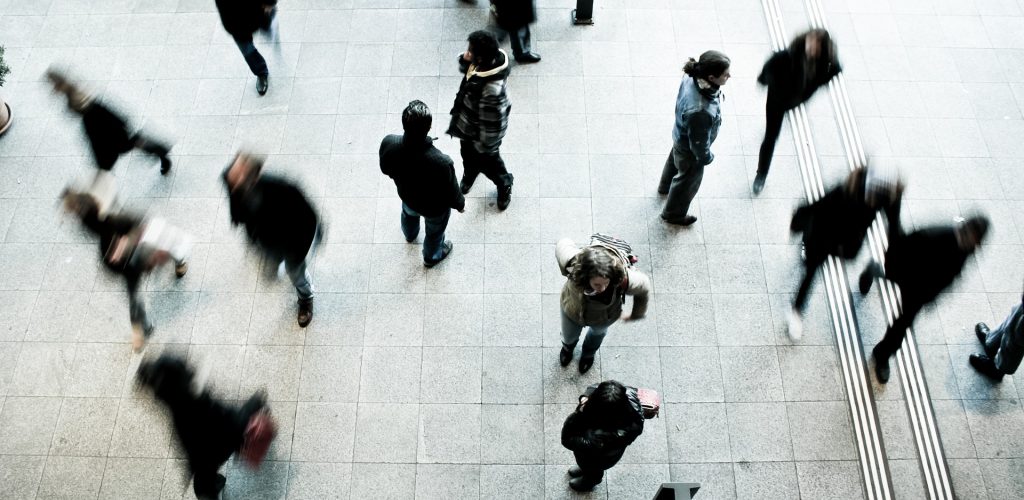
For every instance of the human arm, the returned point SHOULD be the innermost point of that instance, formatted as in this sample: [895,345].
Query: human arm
[699,131]
[458,199]
[565,250]
[493,115]
[639,286]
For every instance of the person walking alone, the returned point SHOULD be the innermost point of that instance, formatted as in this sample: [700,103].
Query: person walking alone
[1004,346]
[480,114]
[242,18]
[599,431]
[426,182]
[792,76]
[698,117]
[514,17]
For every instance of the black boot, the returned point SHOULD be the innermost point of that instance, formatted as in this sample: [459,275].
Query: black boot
[868,276]
[881,366]
[565,355]
[575,471]
[262,84]
[985,366]
[582,484]
[759,182]
[466,183]
[305,312]
[586,362]
[505,191]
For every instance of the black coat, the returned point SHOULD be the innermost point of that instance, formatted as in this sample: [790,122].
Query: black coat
[788,84]
[925,262]
[514,14]
[109,230]
[837,223]
[242,18]
[108,134]
[596,447]
[277,217]
[425,177]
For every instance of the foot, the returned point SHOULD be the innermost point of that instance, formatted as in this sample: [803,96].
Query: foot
[581,485]
[565,356]
[985,366]
[165,165]
[867,277]
[140,334]
[680,221]
[466,184]
[795,326]
[305,312]
[881,366]
[448,246]
[504,196]
[180,269]
[758,183]
[528,57]
[575,471]
[663,191]
[982,331]
[586,363]
[262,84]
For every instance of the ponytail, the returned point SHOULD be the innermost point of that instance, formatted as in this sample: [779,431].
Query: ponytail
[711,63]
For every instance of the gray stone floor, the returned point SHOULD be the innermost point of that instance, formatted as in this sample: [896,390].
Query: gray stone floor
[444,383]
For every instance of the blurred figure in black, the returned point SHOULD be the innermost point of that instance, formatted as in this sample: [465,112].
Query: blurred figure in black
[599,431]
[107,131]
[278,219]
[131,247]
[837,223]
[426,182]
[515,16]
[792,76]
[923,263]
[242,18]
[209,431]
[1004,346]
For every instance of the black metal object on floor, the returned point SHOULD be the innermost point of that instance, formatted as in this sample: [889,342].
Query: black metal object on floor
[584,12]
[677,491]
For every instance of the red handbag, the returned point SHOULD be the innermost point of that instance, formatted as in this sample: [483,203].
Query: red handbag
[650,401]
[259,434]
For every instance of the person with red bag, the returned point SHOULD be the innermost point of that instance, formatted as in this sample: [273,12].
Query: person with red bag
[598,432]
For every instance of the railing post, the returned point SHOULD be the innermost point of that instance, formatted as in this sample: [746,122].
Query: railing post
[677,491]
[584,12]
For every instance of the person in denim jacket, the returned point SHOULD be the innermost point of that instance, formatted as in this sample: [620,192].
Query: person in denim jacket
[698,117]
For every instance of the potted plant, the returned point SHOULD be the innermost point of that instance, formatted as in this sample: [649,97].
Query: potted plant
[5,109]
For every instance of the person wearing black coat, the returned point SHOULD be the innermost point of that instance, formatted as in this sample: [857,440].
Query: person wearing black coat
[600,429]
[792,76]
[209,431]
[106,130]
[515,16]
[426,182]
[278,219]
[837,223]
[242,18]
[923,263]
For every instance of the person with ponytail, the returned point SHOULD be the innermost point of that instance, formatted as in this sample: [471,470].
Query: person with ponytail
[698,117]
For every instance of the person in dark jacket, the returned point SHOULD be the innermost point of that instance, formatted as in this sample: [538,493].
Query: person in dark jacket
[792,76]
[426,182]
[106,130]
[1004,346]
[242,18]
[599,431]
[515,16]
[480,114]
[209,431]
[698,117]
[837,223]
[278,219]
[923,263]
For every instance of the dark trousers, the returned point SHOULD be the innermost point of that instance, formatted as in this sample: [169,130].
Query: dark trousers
[206,481]
[812,262]
[490,164]
[774,115]
[520,40]
[681,179]
[136,304]
[257,64]
[150,145]
[894,336]
[433,240]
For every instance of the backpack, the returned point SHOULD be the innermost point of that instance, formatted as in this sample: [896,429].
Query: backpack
[618,245]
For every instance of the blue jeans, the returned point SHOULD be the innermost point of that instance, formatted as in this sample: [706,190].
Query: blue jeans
[257,64]
[433,241]
[1002,343]
[571,331]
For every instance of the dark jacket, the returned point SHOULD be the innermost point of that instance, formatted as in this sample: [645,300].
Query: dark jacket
[277,217]
[925,262]
[425,177]
[514,14]
[786,76]
[109,229]
[108,134]
[598,448]
[242,18]
[698,117]
[481,109]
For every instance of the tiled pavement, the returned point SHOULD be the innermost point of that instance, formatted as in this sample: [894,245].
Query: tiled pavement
[444,383]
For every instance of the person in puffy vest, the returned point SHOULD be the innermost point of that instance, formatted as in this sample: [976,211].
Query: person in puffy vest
[600,429]
[593,296]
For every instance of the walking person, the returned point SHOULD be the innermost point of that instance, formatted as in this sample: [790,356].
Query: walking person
[106,130]
[1004,346]
[279,220]
[792,76]
[923,263]
[599,431]
[837,223]
[426,182]
[209,431]
[515,17]
[594,294]
[698,117]
[242,18]
[480,114]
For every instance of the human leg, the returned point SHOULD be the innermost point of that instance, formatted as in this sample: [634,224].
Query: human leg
[207,483]
[570,336]
[470,165]
[410,223]
[433,240]
[595,335]
[894,335]
[521,48]
[668,172]
[303,282]
[142,328]
[773,127]
[1008,355]
[155,148]
[493,166]
[684,186]
[253,58]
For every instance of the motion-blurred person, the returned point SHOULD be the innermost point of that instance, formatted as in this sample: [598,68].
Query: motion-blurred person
[923,263]
[599,431]
[515,16]
[242,18]
[792,75]
[837,223]
[480,114]
[106,130]
[1004,346]
[698,117]
[594,293]
[209,431]
[131,247]
[426,182]
[278,219]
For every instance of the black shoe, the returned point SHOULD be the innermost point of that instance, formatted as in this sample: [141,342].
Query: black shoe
[575,471]
[305,312]
[662,191]
[759,183]
[565,357]
[504,196]
[683,221]
[586,363]
[881,366]
[982,331]
[448,246]
[581,485]
[868,276]
[165,165]
[528,57]
[262,84]
[985,366]
[466,184]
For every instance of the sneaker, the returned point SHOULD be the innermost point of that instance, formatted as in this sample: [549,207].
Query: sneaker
[448,246]
[758,183]
[305,312]
[794,325]
[262,84]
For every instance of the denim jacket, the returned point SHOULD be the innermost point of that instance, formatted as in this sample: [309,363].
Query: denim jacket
[698,117]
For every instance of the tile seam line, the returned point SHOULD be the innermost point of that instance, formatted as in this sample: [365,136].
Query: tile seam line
[873,463]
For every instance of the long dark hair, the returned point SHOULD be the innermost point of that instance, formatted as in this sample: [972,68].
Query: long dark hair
[609,407]
[711,63]
[594,262]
